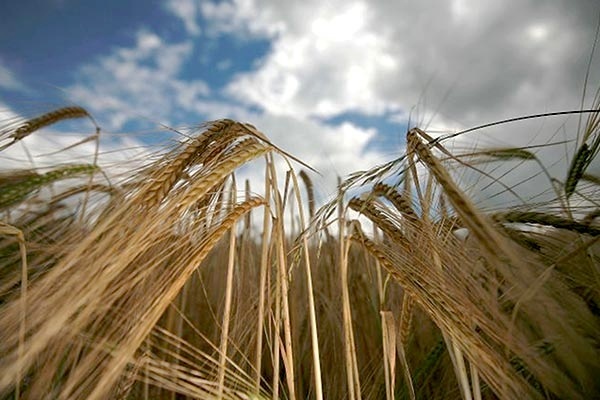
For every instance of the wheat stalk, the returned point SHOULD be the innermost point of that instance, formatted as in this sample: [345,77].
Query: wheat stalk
[228,300]
[309,280]
[49,118]
[264,259]
[388,331]
[351,362]
[533,217]
[286,348]
[6,229]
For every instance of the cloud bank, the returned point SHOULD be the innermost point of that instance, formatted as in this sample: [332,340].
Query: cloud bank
[331,68]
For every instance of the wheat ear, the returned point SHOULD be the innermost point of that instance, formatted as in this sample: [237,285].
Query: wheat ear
[487,238]
[369,210]
[245,152]
[13,193]
[401,204]
[309,192]
[151,312]
[164,181]
[577,168]
[34,124]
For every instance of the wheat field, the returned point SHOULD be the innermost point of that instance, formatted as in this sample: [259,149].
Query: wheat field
[179,280]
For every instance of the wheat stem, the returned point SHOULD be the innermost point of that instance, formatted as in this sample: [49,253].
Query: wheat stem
[228,300]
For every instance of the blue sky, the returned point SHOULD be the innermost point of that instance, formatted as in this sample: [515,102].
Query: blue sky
[334,82]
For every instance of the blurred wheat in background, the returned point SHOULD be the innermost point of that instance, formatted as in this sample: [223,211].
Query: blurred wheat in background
[178,280]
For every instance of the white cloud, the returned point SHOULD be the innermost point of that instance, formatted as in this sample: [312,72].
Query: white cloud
[494,60]
[333,150]
[463,63]
[140,82]
[9,81]
[187,11]
[239,18]
[329,66]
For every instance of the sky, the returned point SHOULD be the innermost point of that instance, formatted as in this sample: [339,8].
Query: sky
[336,83]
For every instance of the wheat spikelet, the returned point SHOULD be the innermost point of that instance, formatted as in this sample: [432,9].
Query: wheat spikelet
[169,175]
[221,143]
[378,217]
[309,192]
[240,156]
[509,153]
[578,165]
[401,204]
[14,192]
[12,177]
[32,125]
[487,237]
[406,318]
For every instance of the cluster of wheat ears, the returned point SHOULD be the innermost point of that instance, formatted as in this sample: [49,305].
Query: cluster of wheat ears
[163,285]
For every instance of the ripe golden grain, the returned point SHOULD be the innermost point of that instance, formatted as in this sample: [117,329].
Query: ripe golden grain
[32,125]
[401,204]
[173,171]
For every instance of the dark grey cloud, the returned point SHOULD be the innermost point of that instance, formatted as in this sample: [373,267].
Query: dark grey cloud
[495,59]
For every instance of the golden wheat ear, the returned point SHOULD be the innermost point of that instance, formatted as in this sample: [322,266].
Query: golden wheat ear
[402,204]
[52,117]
